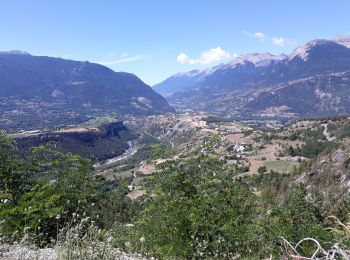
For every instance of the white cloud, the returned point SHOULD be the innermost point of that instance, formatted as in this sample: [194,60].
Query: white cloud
[122,60]
[257,35]
[206,57]
[280,41]
[260,36]
[183,58]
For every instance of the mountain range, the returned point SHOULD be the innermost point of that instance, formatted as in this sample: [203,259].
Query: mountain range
[313,81]
[40,91]
[45,92]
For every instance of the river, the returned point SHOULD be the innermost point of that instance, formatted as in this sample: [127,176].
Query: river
[128,152]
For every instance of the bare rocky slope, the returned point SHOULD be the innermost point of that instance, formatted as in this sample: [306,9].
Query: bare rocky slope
[328,179]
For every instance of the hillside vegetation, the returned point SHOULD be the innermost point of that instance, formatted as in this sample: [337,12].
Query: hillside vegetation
[205,198]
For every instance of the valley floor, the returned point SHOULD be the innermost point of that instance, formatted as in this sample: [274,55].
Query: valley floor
[240,161]
[241,146]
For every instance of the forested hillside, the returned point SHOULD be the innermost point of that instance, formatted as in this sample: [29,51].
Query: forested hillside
[195,204]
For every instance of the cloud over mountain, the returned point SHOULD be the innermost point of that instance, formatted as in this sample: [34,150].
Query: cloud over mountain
[258,35]
[206,57]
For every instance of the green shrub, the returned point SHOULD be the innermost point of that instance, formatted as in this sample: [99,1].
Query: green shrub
[197,213]
[262,169]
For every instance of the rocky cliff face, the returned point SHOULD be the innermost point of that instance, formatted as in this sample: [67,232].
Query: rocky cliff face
[327,180]
[99,143]
[83,134]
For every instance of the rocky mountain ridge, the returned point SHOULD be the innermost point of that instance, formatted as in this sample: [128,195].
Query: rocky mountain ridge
[39,91]
[312,81]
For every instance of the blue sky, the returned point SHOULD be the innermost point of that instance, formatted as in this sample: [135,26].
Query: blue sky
[157,38]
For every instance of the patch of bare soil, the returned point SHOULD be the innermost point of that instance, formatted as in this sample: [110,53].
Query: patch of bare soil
[134,195]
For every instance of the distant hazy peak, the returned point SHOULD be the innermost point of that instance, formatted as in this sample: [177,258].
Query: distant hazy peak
[258,59]
[198,73]
[191,73]
[15,52]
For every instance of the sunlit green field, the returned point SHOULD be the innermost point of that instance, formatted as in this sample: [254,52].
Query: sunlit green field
[281,166]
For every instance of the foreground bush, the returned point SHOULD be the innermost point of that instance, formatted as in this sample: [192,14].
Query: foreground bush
[41,190]
[195,208]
